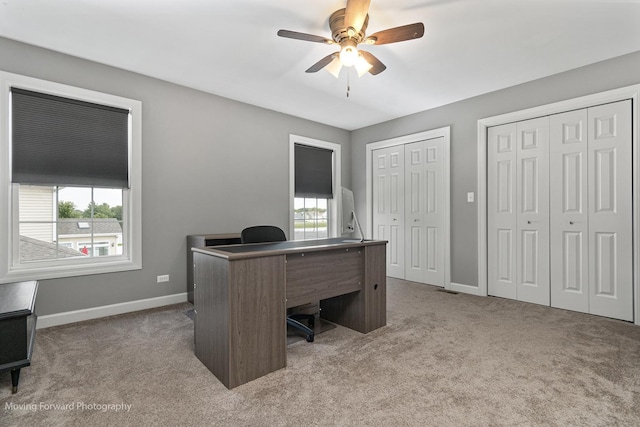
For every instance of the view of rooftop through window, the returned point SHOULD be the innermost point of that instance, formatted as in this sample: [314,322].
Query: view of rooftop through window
[67,222]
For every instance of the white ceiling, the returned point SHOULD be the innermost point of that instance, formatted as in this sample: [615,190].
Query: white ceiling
[230,48]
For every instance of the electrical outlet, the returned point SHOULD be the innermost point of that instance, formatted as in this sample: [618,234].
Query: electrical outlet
[163,278]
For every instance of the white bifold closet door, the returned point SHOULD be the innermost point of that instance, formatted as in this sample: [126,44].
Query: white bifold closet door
[559,211]
[518,211]
[424,211]
[388,205]
[591,211]
[409,209]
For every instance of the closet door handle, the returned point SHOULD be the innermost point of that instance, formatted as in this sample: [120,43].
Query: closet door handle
[528,222]
[570,222]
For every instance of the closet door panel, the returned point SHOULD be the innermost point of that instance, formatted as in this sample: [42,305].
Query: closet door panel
[434,220]
[569,212]
[415,204]
[388,204]
[610,211]
[501,211]
[424,211]
[532,217]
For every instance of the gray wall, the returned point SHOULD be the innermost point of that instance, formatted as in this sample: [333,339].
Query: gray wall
[209,165]
[215,165]
[462,117]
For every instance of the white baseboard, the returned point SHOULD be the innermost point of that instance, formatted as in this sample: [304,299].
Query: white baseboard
[465,289]
[57,319]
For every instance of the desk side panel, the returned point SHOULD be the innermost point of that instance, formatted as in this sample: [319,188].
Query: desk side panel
[211,321]
[192,242]
[258,318]
[200,241]
[376,286]
[314,276]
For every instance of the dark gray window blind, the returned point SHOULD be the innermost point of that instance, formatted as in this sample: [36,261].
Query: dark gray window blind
[62,141]
[313,172]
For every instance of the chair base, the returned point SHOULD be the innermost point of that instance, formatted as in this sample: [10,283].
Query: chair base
[293,320]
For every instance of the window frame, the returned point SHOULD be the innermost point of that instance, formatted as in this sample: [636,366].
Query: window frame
[334,204]
[131,259]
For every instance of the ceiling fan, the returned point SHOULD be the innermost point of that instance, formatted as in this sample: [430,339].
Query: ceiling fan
[348,29]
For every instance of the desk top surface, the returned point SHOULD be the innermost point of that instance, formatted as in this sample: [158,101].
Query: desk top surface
[253,250]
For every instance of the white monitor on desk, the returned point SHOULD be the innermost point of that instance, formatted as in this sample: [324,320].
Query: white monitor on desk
[349,219]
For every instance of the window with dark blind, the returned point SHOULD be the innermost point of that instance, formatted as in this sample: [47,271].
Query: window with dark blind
[72,177]
[63,141]
[313,172]
[314,176]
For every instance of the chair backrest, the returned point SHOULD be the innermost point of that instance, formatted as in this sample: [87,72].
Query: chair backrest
[262,233]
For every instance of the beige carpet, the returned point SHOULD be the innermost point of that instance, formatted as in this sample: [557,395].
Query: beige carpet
[442,360]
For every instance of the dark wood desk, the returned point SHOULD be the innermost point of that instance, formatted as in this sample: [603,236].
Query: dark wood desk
[242,291]
[17,327]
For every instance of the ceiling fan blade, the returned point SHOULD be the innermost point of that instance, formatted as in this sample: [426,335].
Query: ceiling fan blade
[304,36]
[321,64]
[397,34]
[376,66]
[355,13]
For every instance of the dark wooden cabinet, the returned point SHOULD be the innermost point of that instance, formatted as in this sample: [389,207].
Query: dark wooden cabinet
[201,241]
[17,327]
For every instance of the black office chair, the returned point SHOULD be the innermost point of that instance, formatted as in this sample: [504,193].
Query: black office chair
[271,233]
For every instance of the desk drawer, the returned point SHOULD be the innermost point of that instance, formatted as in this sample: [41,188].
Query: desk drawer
[314,276]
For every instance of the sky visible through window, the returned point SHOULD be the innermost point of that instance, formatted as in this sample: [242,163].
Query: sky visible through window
[81,197]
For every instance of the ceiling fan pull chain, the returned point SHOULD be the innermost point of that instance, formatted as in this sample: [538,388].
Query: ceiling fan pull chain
[348,86]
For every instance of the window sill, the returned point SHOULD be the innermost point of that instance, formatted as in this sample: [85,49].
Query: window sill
[60,271]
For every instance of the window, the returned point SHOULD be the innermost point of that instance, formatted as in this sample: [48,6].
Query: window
[71,181]
[313,180]
[63,218]
[311,218]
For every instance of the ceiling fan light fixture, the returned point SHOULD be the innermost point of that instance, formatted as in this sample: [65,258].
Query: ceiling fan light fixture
[348,53]
[348,29]
[362,66]
[334,67]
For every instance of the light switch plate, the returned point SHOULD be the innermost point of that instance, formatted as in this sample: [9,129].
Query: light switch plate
[470,197]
